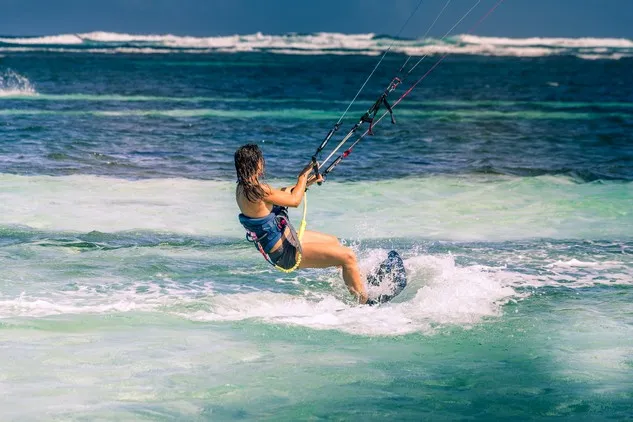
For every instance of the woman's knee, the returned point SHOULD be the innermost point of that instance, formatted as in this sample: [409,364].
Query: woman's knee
[348,256]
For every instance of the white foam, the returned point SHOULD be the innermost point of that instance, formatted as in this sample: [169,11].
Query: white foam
[549,42]
[575,263]
[37,308]
[13,84]
[122,50]
[64,39]
[569,274]
[96,295]
[438,292]
[613,56]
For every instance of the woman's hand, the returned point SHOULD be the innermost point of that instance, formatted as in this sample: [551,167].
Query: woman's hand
[315,179]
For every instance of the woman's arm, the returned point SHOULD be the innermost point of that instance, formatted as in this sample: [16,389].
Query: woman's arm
[287,198]
[311,181]
[292,197]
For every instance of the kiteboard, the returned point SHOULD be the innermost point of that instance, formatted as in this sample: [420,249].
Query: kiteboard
[390,278]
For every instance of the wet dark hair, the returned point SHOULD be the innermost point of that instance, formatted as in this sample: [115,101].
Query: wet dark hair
[247,159]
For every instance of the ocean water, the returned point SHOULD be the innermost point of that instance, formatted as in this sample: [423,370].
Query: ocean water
[128,292]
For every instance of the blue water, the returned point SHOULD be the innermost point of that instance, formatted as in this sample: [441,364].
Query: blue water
[128,292]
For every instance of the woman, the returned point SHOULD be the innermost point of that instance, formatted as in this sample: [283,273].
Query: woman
[264,217]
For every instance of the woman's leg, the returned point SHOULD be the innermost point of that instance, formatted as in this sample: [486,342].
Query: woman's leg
[323,255]
[310,236]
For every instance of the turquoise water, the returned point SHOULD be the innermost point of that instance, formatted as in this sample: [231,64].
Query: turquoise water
[129,293]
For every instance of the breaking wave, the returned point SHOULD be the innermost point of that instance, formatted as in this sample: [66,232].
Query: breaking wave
[322,43]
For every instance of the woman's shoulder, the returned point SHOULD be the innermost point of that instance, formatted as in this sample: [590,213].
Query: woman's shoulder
[249,207]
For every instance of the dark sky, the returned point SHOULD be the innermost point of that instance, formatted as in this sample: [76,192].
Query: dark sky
[514,18]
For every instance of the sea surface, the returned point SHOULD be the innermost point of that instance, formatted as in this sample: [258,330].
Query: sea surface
[128,292]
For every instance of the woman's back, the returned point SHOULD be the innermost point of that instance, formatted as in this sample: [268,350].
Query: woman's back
[251,209]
